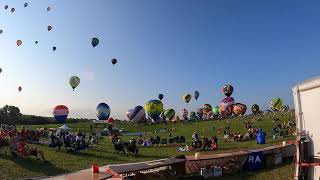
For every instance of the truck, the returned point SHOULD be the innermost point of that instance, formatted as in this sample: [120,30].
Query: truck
[306,97]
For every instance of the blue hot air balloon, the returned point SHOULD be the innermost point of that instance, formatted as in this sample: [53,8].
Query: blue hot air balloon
[196,95]
[137,114]
[103,111]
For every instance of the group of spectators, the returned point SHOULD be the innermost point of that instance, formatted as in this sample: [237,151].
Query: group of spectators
[206,144]
[124,147]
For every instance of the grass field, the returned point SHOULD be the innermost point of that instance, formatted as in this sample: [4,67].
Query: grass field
[63,162]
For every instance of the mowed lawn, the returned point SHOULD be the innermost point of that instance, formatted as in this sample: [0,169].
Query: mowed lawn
[103,154]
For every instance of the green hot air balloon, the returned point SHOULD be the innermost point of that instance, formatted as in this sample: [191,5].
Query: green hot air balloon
[74,82]
[154,108]
[169,114]
[275,104]
[215,111]
[187,98]
[94,42]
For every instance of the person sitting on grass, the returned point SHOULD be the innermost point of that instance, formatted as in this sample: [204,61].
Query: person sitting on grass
[20,148]
[132,147]
[118,146]
[214,143]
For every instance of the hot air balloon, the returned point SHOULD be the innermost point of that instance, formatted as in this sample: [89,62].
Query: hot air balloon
[25,4]
[239,109]
[36,42]
[255,109]
[160,96]
[61,113]
[94,42]
[54,48]
[137,115]
[169,114]
[114,61]
[19,88]
[110,120]
[200,112]
[0,70]
[184,114]
[13,9]
[1,31]
[196,95]
[187,98]
[206,108]
[215,111]
[103,111]
[6,7]
[154,108]
[275,104]
[19,42]
[193,116]
[128,112]
[74,82]
[227,90]
[48,9]
[226,107]
[49,28]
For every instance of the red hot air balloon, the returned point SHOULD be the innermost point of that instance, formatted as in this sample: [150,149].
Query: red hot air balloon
[61,113]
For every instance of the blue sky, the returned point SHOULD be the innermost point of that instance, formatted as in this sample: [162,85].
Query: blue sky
[172,47]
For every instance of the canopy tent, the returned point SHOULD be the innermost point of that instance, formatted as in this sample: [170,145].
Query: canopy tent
[64,127]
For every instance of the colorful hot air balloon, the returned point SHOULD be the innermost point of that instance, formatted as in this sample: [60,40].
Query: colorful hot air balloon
[54,48]
[137,114]
[239,109]
[184,114]
[25,5]
[196,95]
[275,104]
[49,28]
[154,108]
[255,109]
[74,81]
[19,88]
[13,10]
[103,111]
[200,112]
[114,61]
[94,42]
[160,96]
[169,114]
[227,90]
[19,42]
[226,107]
[6,7]
[61,113]
[206,108]
[215,111]
[187,98]
[110,120]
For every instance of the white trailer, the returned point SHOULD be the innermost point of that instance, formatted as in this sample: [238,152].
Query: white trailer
[307,111]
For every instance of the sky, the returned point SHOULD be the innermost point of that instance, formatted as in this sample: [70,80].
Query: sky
[173,47]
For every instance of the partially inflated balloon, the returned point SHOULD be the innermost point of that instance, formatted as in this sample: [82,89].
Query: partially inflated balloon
[154,108]
[128,112]
[137,115]
[103,111]
[255,109]
[13,9]
[61,113]
[19,88]
[94,42]
[160,96]
[169,114]
[216,111]
[19,42]
[227,90]
[114,61]
[184,114]
[74,81]
[25,4]
[226,107]
[196,95]
[49,28]
[200,112]
[275,104]
[187,98]
[239,109]
[110,120]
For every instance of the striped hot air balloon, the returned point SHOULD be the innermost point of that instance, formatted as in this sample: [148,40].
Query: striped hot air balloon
[137,114]
[103,111]
[61,113]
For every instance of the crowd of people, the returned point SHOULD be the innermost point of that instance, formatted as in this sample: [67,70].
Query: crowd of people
[206,144]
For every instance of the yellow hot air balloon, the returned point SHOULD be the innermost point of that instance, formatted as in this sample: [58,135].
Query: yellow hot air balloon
[187,98]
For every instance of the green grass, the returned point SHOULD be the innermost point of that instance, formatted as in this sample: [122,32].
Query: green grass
[63,162]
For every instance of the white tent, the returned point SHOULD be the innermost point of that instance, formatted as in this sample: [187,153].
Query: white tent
[64,127]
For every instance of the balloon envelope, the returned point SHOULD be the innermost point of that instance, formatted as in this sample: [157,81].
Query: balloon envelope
[48,8]
[239,109]
[36,42]
[255,109]
[49,28]
[19,42]
[169,114]
[184,114]
[0,70]
[1,31]
[200,112]
[226,106]
[206,108]
[160,96]
[110,120]
[60,113]
[216,111]
[19,88]
[227,90]
[13,9]
[275,104]
[187,98]
[74,81]
[103,111]
[114,61]
[94,42]
[137,114]
[6,7]
[25,4]
[54,48]
[154,108]
[196,95]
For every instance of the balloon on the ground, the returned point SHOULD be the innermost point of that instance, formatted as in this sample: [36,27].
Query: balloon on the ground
[54,48]
[25,5]
[200,112]
[239,109]
[19,42]
[226,106]
[74,82]
[255,109]
[94,42]
[49,28]
[187,98]
[19,88]
[275,104]
[110,120]
[154,108]
[103,111]
[184,114]
[137,114]
[61,113]
[227,90]
[160,97]
[114,61]
[193,116]
[13,9]
[6,7]
[206,108]
[215,111]
[169,114]
[196,95]
[127,113]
